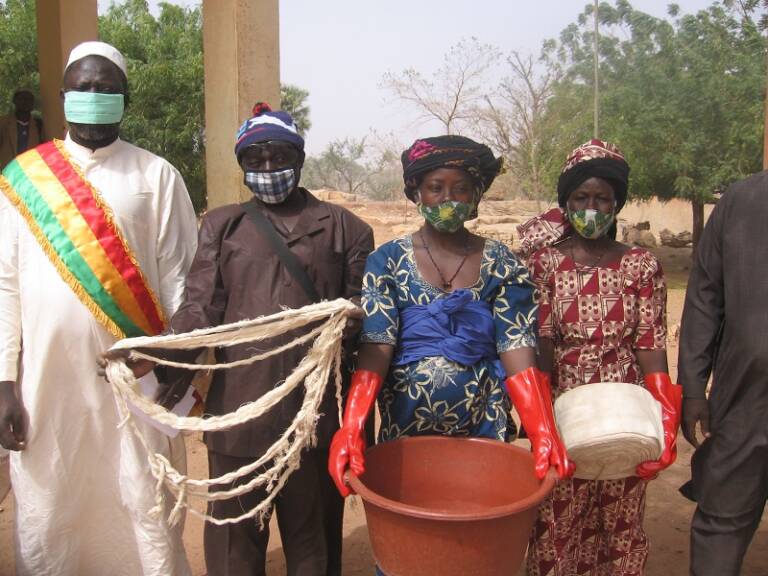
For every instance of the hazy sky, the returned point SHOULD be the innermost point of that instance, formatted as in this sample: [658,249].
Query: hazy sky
[339,50]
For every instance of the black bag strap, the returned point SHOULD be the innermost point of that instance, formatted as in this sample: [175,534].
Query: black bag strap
[287,257]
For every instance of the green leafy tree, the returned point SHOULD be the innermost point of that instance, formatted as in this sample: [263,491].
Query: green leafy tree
[165,64]
[294,101]
[165,67]
[683,97]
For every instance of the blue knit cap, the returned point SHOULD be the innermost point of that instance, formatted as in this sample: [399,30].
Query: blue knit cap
[266,125]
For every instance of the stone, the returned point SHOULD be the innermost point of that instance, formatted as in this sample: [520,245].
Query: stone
[642,238]
[647,239]
[681,240]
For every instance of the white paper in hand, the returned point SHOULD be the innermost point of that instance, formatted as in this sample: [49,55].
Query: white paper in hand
[148,386]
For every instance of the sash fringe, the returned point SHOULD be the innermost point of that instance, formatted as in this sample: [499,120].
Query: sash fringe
[109,216]
[63,271]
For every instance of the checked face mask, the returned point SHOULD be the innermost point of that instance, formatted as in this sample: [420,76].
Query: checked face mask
[271,187]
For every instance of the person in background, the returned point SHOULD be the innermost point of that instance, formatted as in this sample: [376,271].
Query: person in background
[20,130]
[602,318]
[96,237]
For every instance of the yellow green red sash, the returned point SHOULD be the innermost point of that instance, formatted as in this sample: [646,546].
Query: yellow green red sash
[76,230]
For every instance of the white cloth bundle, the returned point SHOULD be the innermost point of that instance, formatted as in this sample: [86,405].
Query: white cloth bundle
[609,428]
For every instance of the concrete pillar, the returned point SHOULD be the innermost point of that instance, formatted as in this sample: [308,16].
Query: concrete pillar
[242,66]
[61,25]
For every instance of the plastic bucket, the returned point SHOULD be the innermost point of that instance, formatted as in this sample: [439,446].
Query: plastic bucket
[449,506]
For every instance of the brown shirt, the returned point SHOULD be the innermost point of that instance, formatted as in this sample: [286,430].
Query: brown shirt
[9,137]
[236,275]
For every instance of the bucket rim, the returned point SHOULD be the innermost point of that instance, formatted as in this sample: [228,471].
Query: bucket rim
[533,499]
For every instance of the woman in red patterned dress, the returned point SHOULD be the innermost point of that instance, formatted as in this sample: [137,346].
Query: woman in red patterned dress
[602,318]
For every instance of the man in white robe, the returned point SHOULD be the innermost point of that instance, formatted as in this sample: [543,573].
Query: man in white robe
[83,487]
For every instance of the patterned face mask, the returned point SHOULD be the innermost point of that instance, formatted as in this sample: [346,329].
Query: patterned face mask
[591,224]
[447,216]
[271,187]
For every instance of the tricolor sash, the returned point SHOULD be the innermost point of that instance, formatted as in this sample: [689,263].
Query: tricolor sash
[77,232]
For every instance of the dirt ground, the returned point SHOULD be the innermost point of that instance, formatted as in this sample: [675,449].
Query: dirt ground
[667,514]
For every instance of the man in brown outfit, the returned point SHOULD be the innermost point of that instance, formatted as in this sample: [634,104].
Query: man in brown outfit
[20,130]
[239,273]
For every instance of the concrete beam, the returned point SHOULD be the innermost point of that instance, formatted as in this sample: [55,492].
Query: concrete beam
[241,46]
[61,25]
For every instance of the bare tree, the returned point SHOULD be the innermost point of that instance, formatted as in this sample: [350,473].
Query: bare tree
[511,119]
[449,94]
[756,9]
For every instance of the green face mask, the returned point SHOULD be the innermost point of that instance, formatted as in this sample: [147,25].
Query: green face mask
[93,107]
[447,216]
[589,223]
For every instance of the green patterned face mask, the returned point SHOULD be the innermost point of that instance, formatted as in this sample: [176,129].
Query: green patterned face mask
[589,223]
[447,216]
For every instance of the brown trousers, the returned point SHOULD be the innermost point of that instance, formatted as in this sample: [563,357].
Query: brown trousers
[310,513]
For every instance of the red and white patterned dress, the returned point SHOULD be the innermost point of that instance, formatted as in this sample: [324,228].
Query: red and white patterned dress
[598,317]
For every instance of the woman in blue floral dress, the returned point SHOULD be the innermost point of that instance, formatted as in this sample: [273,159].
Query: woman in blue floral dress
[433,393]
[448,315]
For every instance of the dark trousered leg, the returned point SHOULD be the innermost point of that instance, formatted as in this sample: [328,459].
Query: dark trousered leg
[240,549]
[333,512]
[718,544]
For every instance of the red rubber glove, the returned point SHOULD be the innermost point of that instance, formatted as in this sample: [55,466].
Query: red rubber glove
[546,395]
[348,443]
[534,404]
[670,396]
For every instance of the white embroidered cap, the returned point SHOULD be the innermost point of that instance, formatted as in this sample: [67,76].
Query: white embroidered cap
[93,48]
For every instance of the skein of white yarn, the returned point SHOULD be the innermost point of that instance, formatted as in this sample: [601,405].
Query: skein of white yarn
[313,372]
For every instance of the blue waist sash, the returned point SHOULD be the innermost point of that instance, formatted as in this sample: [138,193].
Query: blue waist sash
[457,327]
